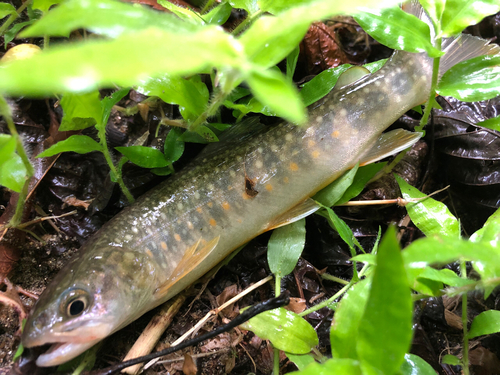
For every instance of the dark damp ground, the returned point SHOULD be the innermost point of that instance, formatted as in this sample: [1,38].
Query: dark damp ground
[79,182]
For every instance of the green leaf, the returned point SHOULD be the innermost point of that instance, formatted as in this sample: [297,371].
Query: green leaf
[107,104]
[145,157]
[80,144]
[340,226]
[190,94]
[397,29]
[339,366]
[376,65]
[278,6]
[491,123]
[185,14]
[388,314]
[85,66]
[444,276]
[13,173]
[490,232]
[106,17]
[458,14]
[218,15]
[347,320]
[44,5]
[434,9]
[286,330]
[250,6]
[6,10]
[322,84]
[11,34]
[449,359]
[291,62]
[472,80]
[414,365]
[285,247]
[272,89]
[7,147]
[430,216]
[486,323]
[300,360]
[206,133]
[80,110]
[174,147]
[363,175]
[333,192]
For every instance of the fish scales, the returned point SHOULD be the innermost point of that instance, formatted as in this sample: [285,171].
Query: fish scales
[151,250]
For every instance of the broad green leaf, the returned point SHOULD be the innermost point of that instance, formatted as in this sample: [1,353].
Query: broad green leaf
[450,359]
[145,157]
[206,133]
[291,62]
[80,110]
[174,147]
[7,147]
[425,286]
[347,320]
[286,330]
[250,6]
[272,89]
[300,360]
[434,9]
[472,80]
[490,232]
[278,6]
[430,216]
[285,247]
[6,10]
[397,29]
[44,5]
[376,65]
[340,226]
[13,173]
[86,66]
[12,32]
[458,14]
[363,175]
[486,323]
[341,366]
[322,84]
[106,17]
[190,94]
[80,144]
[492,123]
[388,314]
[414,365]
[219,14]
[107,104]
[183,13]
[333,192]
[444,276]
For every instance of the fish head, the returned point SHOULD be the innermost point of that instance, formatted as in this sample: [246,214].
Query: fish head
[92,297]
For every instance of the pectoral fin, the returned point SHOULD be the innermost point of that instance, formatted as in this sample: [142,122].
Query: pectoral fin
[191,259]
[298,212]
[390,143]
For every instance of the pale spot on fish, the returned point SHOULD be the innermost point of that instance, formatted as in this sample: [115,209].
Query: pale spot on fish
[210,187]
[319,119]
[179,206]
[163,216]
[163,245]
[331,107]
[232,173]
[343,112]
[258,164]
[294,167]
[311,143]
[190,225]
[289,137]
[128,237]
[197,195]
[135,230]
[177,237]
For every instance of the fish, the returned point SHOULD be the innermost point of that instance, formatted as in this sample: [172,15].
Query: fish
[251,183]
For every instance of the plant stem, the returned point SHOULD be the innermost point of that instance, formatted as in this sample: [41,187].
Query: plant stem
[432,96]
[13,17]
[465,357]
[217,100]
[276,359]
[116,173]
[247,22]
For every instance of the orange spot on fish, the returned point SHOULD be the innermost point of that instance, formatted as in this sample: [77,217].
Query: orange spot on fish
[269,187]
[226,206]
[210,204]
[229,188]
[149,253]
[199,209]
[212,222]
[177,237]
[315,154]
[311,143]
[335,134]
[286,180]
[294,167]
[163,245]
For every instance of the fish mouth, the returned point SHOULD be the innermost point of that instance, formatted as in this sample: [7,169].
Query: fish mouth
[61,352]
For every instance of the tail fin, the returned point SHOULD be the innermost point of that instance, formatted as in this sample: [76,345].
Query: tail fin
[456,49]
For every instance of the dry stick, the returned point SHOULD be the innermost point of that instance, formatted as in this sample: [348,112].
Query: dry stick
[152,333]
[40,219]
[212,313]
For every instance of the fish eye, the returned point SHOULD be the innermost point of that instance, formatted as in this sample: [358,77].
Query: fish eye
[75,303]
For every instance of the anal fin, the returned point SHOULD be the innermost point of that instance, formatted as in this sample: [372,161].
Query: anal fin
[300,211]
[389,144]
[191,259]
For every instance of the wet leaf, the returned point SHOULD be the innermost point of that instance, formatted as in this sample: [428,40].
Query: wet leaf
[300,360]
[414,365]
[251,6]
[430,216]
[291,62]
[434,9]
[388,314]
[185,14]
[145,157]
[106,17]
[347,320]
[472,80]
[490,232]
[333,192]
[343,366]
[80,110]
[492,123]
[286,330]
[321,84]
[44,5]
[6,10]
[363,175]
[340,226]
[174,147]
[458,14]
[107,104]
[449,359]
[80,144]
[13,173]
[397,29]
[285,247]
[444,276]
[486,323]
[219,14]
[272,89]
